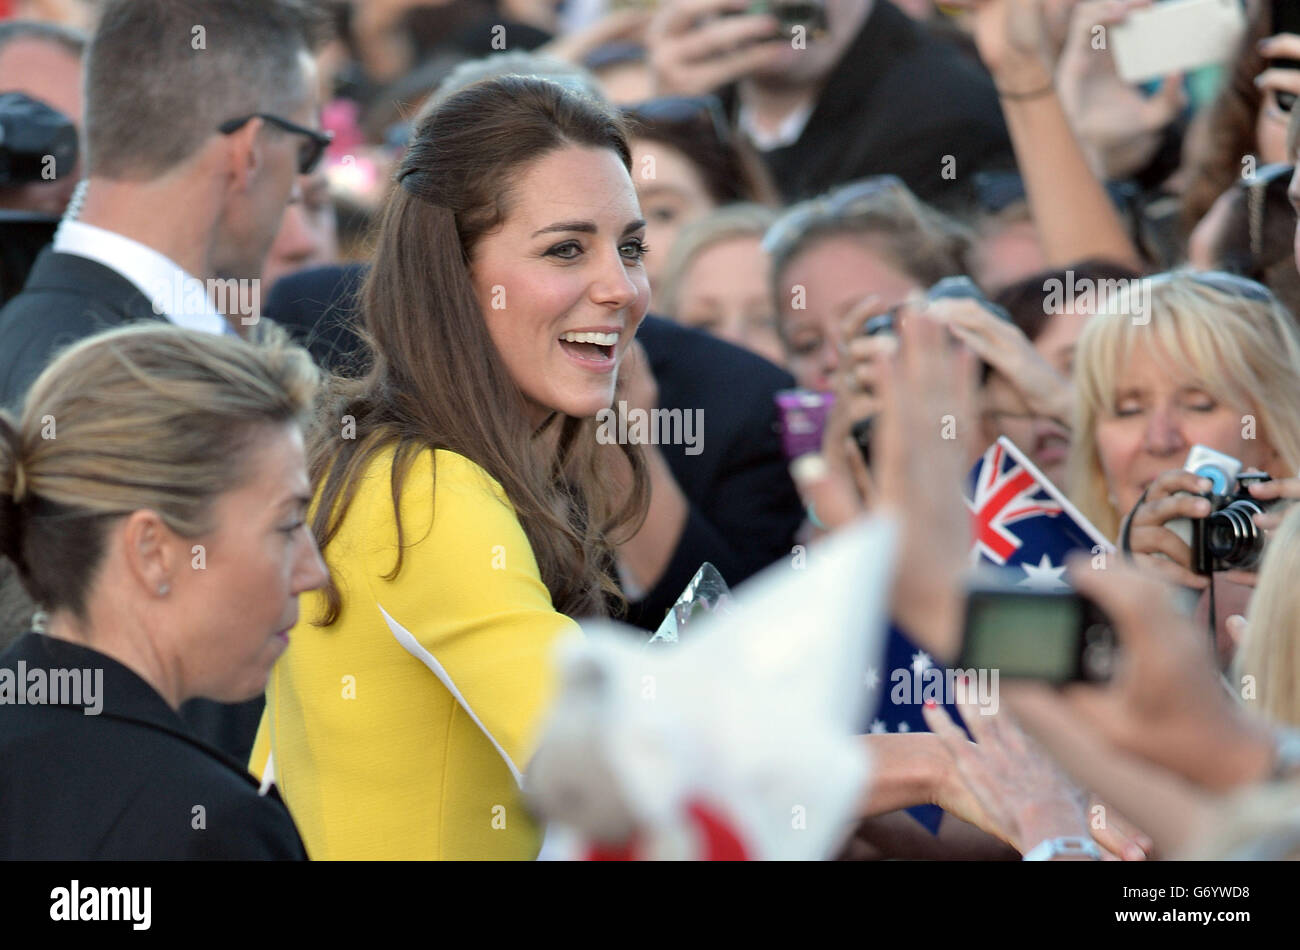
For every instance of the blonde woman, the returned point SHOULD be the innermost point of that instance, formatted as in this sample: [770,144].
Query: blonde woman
[717,279]
[1270,651]
[1211,359]
[153,495]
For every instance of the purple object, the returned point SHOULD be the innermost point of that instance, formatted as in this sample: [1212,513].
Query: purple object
[803,417]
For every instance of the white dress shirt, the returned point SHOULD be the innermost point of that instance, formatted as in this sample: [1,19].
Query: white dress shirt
[176,295]
[787,133]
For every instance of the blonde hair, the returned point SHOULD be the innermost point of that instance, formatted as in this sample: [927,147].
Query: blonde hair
[744,220]
[1243,352]
[1271,652]
[141,417]
[1259,823]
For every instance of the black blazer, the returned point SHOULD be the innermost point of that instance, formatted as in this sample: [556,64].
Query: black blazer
[900,101]
[744,509]
[131,783]
[66,298]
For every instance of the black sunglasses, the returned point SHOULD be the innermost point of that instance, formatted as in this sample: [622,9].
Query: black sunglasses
[309,153]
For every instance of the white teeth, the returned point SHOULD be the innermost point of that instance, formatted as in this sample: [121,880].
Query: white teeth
[600,339]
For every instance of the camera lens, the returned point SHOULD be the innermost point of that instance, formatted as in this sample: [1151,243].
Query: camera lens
[1232,537]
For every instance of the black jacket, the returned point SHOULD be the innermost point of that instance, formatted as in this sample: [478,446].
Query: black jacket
[131,783]
[899,101]
[744,510]
[66,298]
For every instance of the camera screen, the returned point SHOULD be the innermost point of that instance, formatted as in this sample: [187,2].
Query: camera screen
[1034,637]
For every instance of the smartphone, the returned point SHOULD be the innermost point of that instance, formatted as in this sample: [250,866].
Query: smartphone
[1057,636]
[1175,36]
[810,14]
[803,415]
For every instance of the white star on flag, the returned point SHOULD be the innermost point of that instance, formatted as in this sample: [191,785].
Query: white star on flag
[877,727]
[1044,576]
[921,661]
[873,678]
[904,727]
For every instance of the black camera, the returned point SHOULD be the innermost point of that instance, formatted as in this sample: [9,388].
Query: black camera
[1228,538]
[1058,636]
[949,288]
[37,143]
[810,14]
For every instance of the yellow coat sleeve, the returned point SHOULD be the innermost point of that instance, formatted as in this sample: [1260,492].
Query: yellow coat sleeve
[469,602]
[401,730]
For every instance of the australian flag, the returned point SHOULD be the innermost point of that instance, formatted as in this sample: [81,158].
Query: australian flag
[1021,521]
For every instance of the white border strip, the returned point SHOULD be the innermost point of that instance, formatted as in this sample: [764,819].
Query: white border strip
[413,647]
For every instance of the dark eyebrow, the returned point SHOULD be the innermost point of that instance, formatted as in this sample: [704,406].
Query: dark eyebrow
[586,227]
[296,501]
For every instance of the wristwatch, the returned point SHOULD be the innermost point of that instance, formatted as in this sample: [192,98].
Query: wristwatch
[1063,847]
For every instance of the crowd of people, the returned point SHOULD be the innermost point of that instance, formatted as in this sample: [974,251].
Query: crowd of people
[313,310]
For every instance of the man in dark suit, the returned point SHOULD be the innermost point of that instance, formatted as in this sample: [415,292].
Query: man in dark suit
[198,118]
[875,93]
[108,771]
[743,509]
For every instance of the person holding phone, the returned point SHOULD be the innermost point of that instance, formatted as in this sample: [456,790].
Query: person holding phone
[878,93]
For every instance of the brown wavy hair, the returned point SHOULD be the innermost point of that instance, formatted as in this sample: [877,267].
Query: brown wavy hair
[437,380]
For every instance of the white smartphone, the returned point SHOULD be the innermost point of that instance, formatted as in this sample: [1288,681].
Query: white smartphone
[1174,36]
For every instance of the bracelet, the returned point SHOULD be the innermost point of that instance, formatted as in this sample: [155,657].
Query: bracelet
[1056,847]
[1034,94]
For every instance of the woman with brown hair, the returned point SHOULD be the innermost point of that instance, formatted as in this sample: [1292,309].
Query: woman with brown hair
[463,501]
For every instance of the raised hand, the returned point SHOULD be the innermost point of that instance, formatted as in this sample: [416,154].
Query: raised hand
[694,49]
[1120,128]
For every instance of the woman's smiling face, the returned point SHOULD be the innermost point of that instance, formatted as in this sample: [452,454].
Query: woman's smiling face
[561,283]
[1155,420]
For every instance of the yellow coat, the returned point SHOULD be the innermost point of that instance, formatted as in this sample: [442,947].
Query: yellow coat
[402,730]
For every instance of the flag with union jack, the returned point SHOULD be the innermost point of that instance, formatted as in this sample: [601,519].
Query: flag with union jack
[1020,520]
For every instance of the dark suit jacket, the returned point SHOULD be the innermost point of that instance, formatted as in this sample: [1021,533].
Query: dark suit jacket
[129,783]
[898,102]
[66,298]
[744,508]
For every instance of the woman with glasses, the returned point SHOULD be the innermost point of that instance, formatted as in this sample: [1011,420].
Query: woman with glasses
[463,500]
[1199,359]
[860,249]
[685,164]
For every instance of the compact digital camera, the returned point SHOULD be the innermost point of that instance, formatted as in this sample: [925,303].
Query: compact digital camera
[1228,538]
